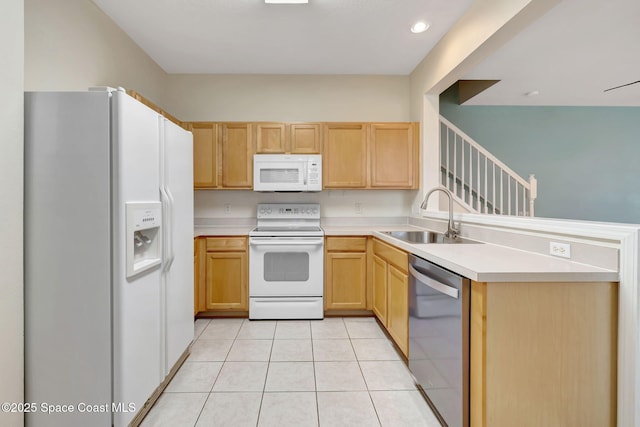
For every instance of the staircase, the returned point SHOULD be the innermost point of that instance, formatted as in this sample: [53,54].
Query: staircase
[478,180]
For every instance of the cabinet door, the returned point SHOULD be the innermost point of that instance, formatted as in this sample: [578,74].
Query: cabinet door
[398,305]
[205,170]
[379,280]
[196,278]
[394,155]
[345,156]
[346,285]
[270,138]
[305,138]
[237,155]
[227,281]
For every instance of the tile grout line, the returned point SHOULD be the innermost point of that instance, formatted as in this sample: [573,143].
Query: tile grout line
[315,382]
[366,383]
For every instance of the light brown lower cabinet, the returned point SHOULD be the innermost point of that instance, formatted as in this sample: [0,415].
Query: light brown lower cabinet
[398,307]
[390,283]
[226,282]
[379,282]
[196,276]
[345,284]
[543,354]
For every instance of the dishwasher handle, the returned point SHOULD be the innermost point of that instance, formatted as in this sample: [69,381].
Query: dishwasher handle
[434,284]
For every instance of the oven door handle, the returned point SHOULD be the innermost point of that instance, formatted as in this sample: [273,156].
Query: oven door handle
[285,242]
[432,283]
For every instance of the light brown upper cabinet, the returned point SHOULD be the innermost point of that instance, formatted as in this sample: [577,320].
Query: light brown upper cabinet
[281,138]
[355,155]
[237,155]
[270,138]
[344,162]
[305,138]
[371,155]
[394,155]
[205,158]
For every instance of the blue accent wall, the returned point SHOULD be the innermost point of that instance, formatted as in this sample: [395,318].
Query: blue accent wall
[586,159]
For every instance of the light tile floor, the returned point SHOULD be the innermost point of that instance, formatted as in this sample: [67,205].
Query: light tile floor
[333,372]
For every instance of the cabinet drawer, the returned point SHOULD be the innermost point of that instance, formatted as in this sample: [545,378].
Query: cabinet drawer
[346,244]
[226,244]
[389,253]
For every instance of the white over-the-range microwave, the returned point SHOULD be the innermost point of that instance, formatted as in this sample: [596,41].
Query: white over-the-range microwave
[287,172]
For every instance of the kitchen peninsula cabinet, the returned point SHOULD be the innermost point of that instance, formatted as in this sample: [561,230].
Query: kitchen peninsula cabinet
[345,285]
[543,354]
[226,277]
[390,281]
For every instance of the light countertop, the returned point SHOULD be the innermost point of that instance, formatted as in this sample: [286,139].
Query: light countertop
[484,262]
[222,230]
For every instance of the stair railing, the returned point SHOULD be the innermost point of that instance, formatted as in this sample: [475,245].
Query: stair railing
[480,181]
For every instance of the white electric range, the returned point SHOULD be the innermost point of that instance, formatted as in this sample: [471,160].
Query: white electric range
[286,263]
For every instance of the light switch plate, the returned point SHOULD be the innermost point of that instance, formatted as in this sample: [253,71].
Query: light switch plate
[560,249]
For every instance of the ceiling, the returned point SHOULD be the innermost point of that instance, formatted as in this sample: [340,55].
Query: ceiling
[251,37]
[569,55]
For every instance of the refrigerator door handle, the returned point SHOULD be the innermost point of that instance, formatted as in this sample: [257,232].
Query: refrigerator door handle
[166,232]
[171,222]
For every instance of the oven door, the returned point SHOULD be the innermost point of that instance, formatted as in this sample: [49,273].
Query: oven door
[286,266]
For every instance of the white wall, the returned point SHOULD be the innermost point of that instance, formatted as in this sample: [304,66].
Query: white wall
[72,45]
[484,27]
[11,225]
[224,97]
[334,203]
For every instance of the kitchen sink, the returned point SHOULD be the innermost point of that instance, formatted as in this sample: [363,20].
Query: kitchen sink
[426,237]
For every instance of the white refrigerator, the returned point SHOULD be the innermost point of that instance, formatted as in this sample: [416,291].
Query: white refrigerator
[108,244]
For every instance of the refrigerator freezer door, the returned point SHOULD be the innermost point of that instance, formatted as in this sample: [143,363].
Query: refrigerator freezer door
[177,179]
[67,255]
[137,369]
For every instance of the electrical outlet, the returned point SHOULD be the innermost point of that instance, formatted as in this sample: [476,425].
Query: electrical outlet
[227,208]
[560,249]
[358,206]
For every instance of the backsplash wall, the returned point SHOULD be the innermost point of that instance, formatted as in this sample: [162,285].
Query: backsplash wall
[334,203]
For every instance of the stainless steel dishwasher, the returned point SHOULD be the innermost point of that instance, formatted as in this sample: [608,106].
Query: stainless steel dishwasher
[439,339]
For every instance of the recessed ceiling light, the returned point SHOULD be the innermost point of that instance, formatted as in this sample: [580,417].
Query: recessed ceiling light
[286,1]
[533,93]
[419,27]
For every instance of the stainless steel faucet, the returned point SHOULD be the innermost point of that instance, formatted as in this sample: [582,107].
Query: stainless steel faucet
[452,232]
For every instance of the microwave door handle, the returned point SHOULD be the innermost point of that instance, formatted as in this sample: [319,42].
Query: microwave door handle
[304,173]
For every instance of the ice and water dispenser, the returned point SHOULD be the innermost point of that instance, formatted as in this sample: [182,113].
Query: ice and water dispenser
[144,236]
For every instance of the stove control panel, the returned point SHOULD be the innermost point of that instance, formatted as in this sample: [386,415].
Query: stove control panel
[289,210]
